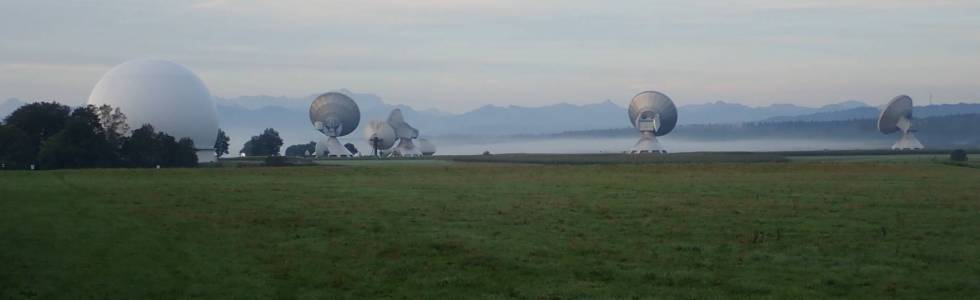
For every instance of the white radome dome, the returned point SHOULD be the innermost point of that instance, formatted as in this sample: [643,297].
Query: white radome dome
[164,94]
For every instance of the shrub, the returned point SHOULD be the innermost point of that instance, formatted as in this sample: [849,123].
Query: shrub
[958,155]
[301,149]
[15,148]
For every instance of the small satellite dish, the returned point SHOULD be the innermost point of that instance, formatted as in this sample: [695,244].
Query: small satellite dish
[405,133]
[380,136]
[897,117]
[350,147]
[653,114]
[334,114]
[426,147]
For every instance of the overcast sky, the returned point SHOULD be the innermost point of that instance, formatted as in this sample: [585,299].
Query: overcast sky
[457,55]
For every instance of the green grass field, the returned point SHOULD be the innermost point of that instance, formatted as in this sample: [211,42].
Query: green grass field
[814,229]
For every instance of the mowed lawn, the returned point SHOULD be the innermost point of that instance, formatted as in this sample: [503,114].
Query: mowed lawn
[775,230]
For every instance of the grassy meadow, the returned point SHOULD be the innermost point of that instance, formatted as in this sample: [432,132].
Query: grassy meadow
[782,230]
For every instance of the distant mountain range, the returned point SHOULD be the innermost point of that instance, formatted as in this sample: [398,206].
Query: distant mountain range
[249,115]
[242,117]
[872,113]
[725,112]
[246,116]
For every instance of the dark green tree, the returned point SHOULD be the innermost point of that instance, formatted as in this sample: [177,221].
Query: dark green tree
[15,148]
[166,149]
[248,146]
[186,154]
[141,149]
[90,116]
[147,148]
[39,120]
[174,153]
[221,143]
[265,144]
[113,122]
[80,144]
[301,149]
[958,155]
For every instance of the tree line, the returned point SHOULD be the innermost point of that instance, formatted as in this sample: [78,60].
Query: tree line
[268,143]
[49,135]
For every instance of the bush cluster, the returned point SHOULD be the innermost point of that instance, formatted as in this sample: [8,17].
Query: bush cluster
[958,155]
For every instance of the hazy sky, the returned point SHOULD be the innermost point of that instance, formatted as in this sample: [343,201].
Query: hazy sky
[457,55]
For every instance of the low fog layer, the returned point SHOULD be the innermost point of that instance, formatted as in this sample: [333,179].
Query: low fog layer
[617,145]
[246,116]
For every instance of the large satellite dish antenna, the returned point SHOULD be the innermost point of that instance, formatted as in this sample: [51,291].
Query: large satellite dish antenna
[405,133]
[653,114]
[897,117]
[426,147]
[334,114]
[380,136]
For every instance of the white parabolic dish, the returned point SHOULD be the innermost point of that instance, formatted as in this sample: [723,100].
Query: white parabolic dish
[896,109]
[164,94]
[382,133]
[426,147]
[406,133]
[653,114]
[897,117]
[334,114]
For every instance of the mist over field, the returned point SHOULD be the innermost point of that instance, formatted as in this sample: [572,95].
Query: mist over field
[243,117]
[621,144]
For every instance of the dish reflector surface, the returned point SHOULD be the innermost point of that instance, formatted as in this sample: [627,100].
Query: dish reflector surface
[898,108]
[334,114]
[653,111]
[402,129]
[426,147]
[383,132]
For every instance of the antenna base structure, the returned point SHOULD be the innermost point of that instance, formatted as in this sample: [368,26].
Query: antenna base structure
[406,148]
[332,147]
[648,144]
[908,142]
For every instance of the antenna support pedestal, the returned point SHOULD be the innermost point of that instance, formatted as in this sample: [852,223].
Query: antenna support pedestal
[908,142]
[333,147]
[406,148]
[648,144]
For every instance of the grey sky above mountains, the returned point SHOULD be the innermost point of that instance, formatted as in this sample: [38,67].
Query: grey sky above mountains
[459,55]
